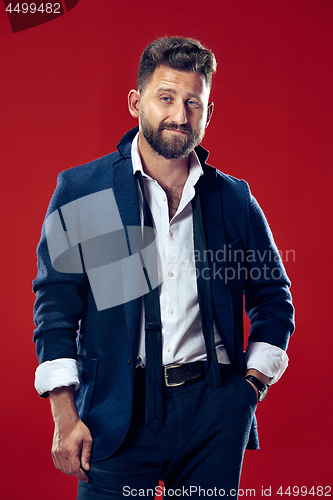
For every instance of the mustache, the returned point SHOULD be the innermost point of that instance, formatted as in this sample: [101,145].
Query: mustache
[173,126]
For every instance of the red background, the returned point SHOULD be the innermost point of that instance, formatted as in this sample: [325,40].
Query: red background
[63,102]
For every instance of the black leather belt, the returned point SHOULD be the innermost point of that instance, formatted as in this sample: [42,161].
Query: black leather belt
[175,375]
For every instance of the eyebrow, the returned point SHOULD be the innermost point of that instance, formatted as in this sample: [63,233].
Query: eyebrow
[166,89]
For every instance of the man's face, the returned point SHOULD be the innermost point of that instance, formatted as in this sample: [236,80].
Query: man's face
[174,111]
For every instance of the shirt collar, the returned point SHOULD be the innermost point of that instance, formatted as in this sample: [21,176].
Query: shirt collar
[195,167]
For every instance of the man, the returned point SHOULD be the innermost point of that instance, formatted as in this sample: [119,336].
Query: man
[122,422]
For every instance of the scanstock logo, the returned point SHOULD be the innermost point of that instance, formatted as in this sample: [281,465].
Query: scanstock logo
[87,235]
[26,15]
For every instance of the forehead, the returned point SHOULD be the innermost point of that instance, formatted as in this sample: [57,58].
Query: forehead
[179,81]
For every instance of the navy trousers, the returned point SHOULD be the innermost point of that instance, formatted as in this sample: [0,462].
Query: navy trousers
[199,451]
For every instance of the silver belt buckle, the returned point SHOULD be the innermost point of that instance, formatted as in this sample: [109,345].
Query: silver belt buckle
[167,383]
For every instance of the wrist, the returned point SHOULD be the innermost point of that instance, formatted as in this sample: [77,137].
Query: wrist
[263,378]
[260,388]
[63,406]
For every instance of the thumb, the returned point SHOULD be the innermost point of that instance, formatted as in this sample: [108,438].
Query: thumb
[86,455]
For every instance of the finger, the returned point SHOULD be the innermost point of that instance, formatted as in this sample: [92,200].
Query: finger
[71,466]
[67,460]
[80,474]
[57,461]
[86,454]
[73,462]
[67,465]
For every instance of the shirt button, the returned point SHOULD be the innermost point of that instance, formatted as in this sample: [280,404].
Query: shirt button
[171,311]
[163,198]
[167,235]
[169,349]
[170,273]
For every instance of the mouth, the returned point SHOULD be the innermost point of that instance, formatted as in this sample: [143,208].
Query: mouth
[176,131]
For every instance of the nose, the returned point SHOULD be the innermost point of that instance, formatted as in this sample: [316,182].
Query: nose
[179,113]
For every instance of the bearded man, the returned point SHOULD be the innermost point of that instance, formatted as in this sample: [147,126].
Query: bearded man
[143,265]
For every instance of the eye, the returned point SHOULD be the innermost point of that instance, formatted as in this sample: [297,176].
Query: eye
[192,103]
[165,98]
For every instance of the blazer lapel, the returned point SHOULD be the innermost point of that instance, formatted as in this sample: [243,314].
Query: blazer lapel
[215,239]
[125,191]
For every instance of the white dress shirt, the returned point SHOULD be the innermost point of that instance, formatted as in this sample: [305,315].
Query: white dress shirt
[182,337]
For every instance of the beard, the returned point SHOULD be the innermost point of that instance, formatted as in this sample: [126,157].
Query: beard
[176,147]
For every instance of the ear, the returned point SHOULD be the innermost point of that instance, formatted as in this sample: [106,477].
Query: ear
[210,110]
[134,103]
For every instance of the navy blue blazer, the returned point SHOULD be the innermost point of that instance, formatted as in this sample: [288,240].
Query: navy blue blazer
[105,342]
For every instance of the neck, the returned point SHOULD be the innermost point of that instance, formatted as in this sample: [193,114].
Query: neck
[166,172]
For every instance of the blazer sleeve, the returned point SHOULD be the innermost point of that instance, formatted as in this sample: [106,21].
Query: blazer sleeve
[60,296]
[268,301]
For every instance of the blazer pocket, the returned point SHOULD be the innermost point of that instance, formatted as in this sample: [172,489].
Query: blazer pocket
[87,374]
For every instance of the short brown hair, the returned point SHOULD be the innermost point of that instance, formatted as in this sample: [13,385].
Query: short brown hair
[180,53]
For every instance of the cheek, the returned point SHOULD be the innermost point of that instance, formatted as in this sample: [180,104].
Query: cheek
[201,123]
[155,114]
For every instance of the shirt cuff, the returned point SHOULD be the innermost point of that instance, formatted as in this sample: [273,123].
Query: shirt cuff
[61,372]
[267,359]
